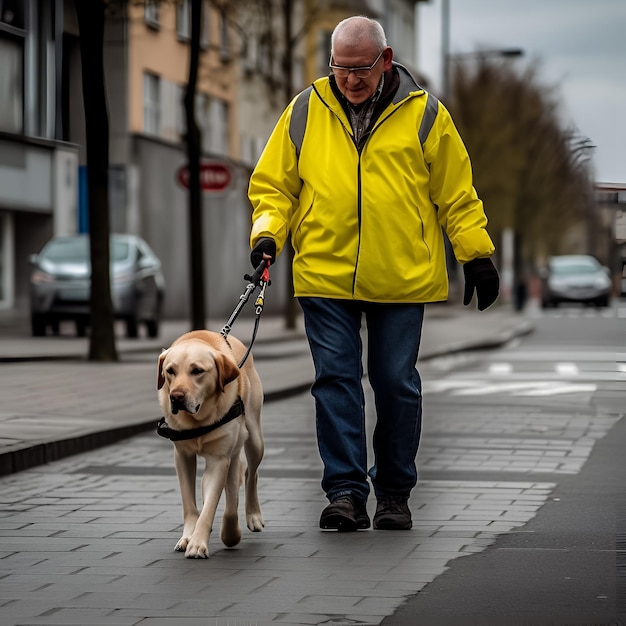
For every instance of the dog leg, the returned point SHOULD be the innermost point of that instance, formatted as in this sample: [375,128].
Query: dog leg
[186,470]
[231,532]
[213,482]
[254,449]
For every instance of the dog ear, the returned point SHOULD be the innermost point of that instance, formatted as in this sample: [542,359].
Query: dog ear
[227,370]
[160,377]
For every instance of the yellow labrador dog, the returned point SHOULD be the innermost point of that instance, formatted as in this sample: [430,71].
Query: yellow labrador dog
[212,408]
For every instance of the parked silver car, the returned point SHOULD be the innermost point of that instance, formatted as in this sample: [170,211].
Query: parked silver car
[60,284]
[575,278]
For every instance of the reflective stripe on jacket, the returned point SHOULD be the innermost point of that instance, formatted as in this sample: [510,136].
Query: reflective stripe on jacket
[367,225]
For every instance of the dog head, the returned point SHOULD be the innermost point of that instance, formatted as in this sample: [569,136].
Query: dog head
[192,372]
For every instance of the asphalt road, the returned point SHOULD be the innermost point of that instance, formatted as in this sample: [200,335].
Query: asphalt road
[567,565]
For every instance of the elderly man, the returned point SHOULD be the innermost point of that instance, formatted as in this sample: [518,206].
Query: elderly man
[363,170]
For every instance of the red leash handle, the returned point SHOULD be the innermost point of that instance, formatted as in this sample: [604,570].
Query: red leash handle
[265,275]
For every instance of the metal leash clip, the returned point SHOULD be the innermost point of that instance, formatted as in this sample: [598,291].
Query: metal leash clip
[261,277]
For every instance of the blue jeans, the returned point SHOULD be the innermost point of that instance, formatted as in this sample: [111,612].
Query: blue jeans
[393,339]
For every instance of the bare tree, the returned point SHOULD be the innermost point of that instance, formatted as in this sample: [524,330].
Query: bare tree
[194,152]
[525,167]
[91,17]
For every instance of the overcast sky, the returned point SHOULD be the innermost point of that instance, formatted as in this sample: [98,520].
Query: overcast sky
[580,46]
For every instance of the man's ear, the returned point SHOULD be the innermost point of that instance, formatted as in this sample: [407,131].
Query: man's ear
[387,58]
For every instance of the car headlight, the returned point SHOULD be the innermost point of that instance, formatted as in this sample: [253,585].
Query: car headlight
[557,283]
[39,277]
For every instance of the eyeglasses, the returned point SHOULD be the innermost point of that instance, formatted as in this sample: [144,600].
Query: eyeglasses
[341,71]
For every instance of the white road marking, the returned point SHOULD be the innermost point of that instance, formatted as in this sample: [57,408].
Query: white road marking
[462,387]
[567,369]
[559,389]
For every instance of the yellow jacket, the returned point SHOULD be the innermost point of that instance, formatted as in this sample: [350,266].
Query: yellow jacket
[368,226]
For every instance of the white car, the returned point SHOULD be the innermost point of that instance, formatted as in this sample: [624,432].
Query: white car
[575,278]
[60,284]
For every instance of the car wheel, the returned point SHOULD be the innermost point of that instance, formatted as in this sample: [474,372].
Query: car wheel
[38,325]
[602,302]
[153,328]
[153,324]
[81,328]
[132,327]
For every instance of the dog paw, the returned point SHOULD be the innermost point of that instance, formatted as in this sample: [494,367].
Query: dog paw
[255,522]
[230,533]
[181,546]
[230,537]
[197,551]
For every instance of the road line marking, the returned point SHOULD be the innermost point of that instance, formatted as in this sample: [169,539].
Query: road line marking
[552,391]
[567,369]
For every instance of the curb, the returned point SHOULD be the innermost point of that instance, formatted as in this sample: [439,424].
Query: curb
[38,454]
[45,452]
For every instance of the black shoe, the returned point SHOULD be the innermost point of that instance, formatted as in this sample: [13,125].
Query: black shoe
[392,513]
[345,514]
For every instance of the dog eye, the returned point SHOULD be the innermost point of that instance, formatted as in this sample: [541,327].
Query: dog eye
[196,371]
[170,371]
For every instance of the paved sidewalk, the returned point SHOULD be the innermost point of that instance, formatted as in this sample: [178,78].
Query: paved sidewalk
[89,539]
[56,402]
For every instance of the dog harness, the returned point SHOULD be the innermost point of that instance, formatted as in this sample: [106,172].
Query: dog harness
[181,435]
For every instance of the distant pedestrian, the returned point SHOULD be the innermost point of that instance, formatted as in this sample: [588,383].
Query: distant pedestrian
[363,170]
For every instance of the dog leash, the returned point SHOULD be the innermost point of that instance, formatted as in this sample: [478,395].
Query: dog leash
[260,278]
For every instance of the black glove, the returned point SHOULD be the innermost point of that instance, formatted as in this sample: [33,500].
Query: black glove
[265,245]
[480,274]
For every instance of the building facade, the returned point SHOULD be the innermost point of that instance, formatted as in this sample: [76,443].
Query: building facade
[38,168]
[254,58]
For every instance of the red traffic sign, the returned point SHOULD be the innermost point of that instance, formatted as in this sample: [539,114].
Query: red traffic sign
[214,176]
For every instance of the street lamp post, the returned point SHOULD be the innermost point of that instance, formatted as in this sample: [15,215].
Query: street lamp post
[447,56]
[508,247]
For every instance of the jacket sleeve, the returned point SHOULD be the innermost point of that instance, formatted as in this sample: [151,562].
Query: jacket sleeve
[275,186]
[459,209]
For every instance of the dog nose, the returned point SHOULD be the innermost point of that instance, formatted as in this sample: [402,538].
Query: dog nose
[177,401]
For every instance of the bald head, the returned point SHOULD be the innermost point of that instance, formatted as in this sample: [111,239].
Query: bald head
[360,55]
[358,31]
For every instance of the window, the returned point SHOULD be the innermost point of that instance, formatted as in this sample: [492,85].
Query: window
[181,120]
[183,23]
[205,32]
[12,13]
[11,85]
[6,261]
[212,117]
[169,110]
[220,126]
[264,55]
[224,40]
[151,13]
[151,104]
[183,20]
